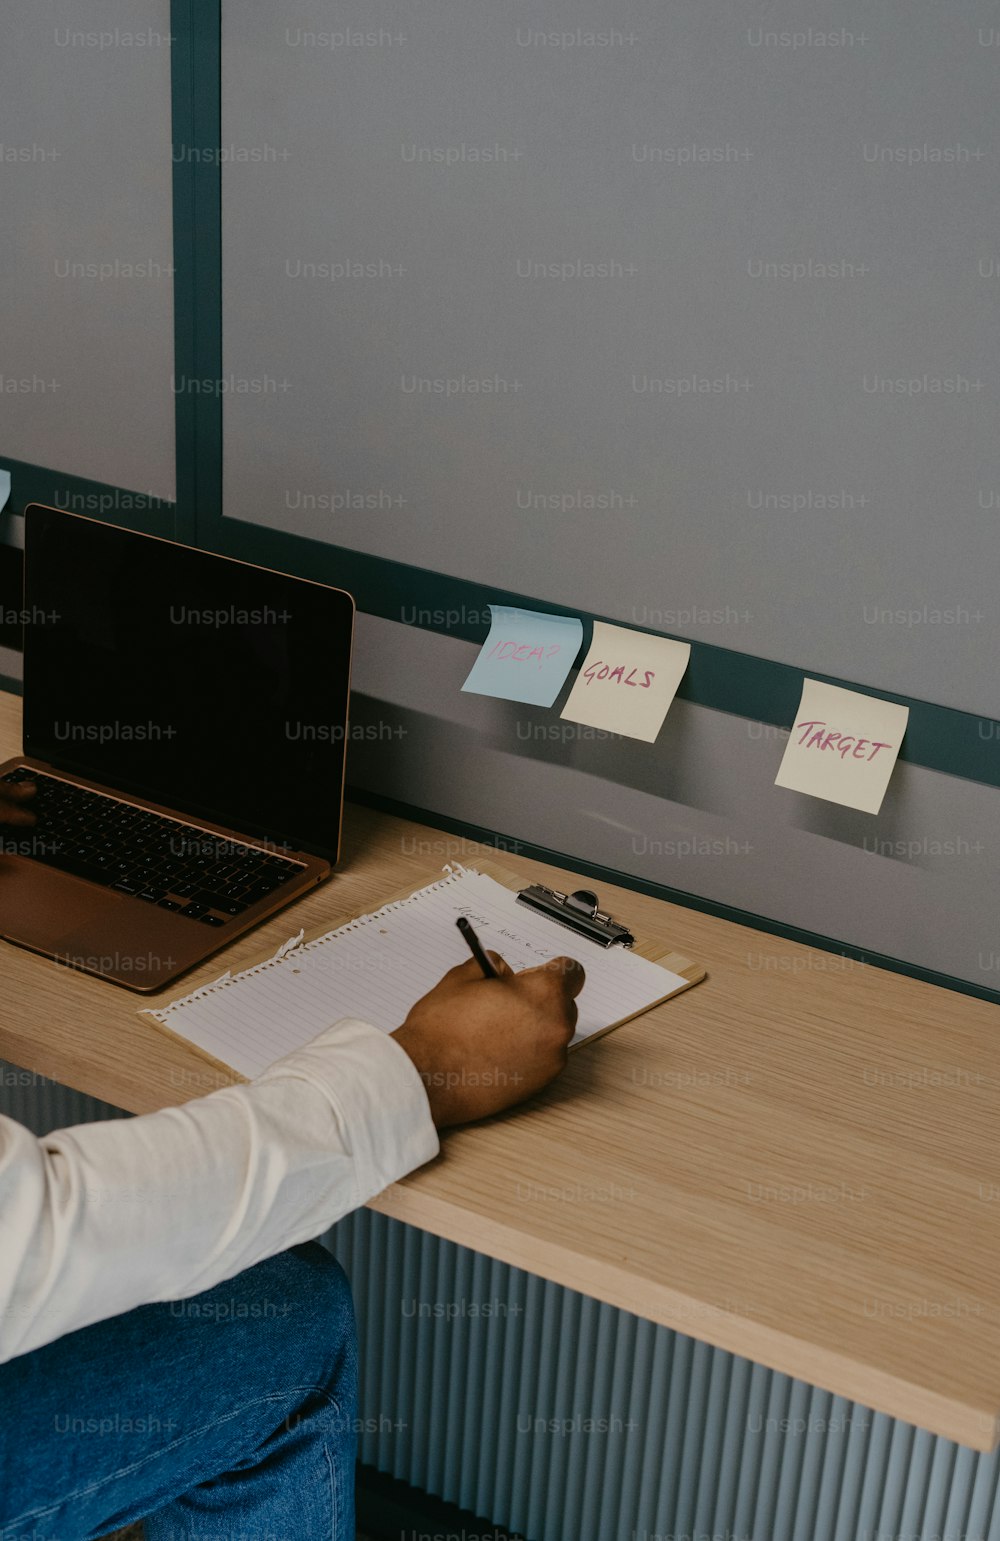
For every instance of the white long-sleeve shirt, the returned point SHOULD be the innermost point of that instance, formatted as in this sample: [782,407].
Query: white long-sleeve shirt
[100,1218]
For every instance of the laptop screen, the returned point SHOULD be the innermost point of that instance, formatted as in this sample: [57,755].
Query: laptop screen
[216,688]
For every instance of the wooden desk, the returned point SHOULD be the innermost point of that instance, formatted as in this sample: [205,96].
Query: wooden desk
[795,1160]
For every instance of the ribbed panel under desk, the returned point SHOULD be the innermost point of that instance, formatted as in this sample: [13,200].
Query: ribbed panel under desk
[698,1444]
[42,1104]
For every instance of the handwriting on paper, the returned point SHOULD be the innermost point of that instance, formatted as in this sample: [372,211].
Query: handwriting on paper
[814,735]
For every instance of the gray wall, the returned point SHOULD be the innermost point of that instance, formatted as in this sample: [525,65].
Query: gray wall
[86,240]
[334,442]
[316,139]
[817,154]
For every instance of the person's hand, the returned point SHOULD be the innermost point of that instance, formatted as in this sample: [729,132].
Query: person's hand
[15,799]
[481,1045]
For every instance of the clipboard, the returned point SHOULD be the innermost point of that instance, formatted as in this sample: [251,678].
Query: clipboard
[582,916]
[242,1022]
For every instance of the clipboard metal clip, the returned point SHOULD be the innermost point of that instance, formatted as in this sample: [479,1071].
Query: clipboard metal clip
[579,911]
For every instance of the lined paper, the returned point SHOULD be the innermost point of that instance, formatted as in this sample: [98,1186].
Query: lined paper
[377,966]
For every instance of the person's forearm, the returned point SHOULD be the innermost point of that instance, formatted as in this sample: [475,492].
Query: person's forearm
[107,1216]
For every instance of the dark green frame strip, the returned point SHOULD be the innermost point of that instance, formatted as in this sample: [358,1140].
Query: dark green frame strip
[196,56]
[937,737]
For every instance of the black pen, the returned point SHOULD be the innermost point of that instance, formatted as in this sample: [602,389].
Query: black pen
[476,948]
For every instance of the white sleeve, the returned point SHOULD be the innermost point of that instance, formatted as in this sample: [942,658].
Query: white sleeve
[100,1218]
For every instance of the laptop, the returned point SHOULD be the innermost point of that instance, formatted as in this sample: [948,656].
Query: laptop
[185,727]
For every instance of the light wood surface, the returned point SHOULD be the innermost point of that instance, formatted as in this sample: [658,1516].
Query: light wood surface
[798,1161]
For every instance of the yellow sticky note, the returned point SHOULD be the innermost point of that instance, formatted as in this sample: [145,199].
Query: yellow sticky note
[843,746]
[627,682]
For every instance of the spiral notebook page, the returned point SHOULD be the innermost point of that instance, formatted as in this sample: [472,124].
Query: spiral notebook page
[375,967]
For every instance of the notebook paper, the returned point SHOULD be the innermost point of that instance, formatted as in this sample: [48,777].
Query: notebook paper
[377,966]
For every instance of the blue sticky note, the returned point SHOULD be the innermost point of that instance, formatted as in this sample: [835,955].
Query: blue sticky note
[526,656]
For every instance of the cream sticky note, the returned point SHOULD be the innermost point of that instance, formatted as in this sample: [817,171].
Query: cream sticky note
[627,681]
[843,746]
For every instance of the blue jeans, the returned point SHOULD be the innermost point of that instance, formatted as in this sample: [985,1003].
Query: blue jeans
[231,1416]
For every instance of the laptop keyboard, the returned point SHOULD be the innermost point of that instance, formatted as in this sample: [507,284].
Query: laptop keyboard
[121,846]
